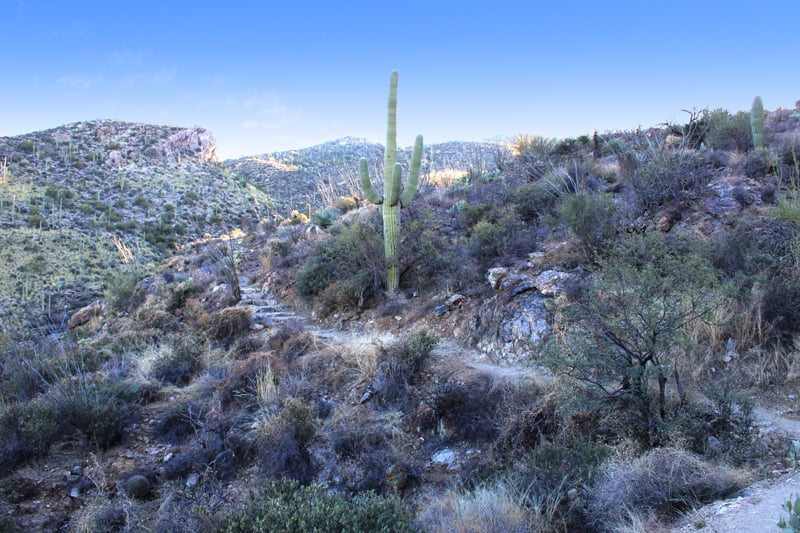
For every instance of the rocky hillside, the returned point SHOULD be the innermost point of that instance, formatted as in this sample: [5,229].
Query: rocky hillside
[67,194]
[316,176]
[595,334]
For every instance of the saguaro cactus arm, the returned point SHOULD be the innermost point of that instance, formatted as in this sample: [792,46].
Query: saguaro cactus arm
[366,184]
[413,174]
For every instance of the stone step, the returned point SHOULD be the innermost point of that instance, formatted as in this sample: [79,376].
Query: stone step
[269,319]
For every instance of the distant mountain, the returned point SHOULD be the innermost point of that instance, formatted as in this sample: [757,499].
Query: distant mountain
[310,176]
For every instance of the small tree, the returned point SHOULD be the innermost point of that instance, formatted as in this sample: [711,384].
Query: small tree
[632,324]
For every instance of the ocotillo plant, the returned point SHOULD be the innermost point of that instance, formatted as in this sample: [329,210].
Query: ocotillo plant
[757,122]
[392,200]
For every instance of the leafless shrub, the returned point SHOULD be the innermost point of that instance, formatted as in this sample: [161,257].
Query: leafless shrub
[662,481]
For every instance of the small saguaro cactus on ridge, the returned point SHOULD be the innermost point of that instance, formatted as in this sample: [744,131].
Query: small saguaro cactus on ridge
[757,122]
[392,200]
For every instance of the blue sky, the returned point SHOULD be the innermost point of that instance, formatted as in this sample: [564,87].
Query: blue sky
[266,76]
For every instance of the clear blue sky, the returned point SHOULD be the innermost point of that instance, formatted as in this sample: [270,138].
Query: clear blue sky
[266,76]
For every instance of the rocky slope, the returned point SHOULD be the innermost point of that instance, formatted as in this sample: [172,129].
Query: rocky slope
[317,175]
[68,193]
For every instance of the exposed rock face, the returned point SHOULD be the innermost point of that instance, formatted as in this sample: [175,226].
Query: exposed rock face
[196,143]
[514,323]
[84,315]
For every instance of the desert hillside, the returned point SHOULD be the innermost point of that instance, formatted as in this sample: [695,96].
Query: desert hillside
[588,334]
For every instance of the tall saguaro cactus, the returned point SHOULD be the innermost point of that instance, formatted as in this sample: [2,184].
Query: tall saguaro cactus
[392,200]
[757,122]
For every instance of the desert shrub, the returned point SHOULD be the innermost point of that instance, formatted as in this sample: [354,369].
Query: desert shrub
[149,318]
[283,441]
[472,214]
[668,175]
[427,258]
[487,240]
[359,451]
[633,326]
[757,164]
[286,507]
[226,262]
[27,430]
[226,324]
[788,160]
[240,386]
[350,261]
[729,132]
[591,217]
[468,409]
[180,293]
[532,201]
[97,408]
[662,481]
[491,508]
[180,422]
[121,285]
[408,355]
[181,363]
[754,247]
[346,203]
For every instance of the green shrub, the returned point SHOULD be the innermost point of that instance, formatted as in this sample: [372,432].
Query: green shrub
[286,507]
[429,259]
[591,217]
[532,201]
[349,261]
[120,287]
[488,239]
[472,214]
[729,132]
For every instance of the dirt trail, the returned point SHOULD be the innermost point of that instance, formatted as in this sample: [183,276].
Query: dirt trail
[757,508]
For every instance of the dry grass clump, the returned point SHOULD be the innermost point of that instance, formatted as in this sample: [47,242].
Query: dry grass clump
[291,341]
[227,324]
[662,481]
[251,381]
[492,508]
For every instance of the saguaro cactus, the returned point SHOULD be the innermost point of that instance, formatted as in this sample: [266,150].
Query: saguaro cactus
[757,122]
[392,200]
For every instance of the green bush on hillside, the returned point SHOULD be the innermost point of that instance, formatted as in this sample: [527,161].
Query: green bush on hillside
[349,264]
[286,507]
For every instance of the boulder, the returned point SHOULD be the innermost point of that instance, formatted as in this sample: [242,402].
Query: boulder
[85,314]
